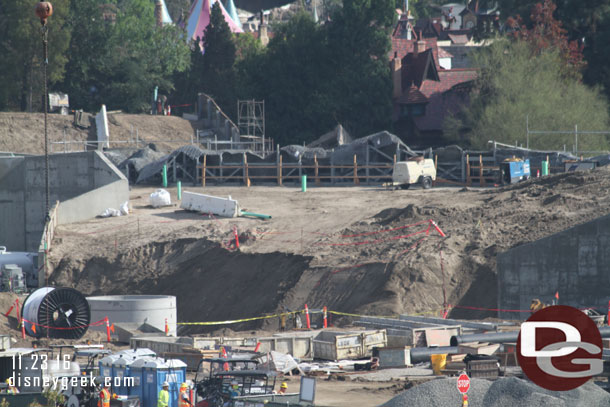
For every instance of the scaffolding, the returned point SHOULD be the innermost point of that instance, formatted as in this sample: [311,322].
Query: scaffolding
[251,120]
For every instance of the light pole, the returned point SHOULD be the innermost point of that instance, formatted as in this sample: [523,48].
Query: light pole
[44,10]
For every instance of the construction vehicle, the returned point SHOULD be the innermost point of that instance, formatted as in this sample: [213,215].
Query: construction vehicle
[417,170]
[513,170]
[537,305]
[59,102]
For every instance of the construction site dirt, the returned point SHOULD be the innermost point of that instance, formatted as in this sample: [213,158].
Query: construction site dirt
[362,250]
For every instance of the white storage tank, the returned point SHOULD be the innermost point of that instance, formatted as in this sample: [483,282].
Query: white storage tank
[151,309]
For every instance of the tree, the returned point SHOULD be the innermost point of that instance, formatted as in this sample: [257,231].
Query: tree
[21,49]
[547,33]
[359,42]
[119,62]
[515,84]
[217,75]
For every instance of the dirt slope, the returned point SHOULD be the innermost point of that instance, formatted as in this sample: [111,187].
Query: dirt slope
[24,132]
[351,249]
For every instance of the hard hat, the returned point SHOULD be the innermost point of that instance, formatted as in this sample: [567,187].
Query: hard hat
[165,384]
[184,386]
[8,380]
[284,385]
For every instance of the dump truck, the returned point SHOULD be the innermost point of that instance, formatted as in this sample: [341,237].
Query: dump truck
[417,170]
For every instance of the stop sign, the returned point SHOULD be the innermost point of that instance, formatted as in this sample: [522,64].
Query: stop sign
[463,383]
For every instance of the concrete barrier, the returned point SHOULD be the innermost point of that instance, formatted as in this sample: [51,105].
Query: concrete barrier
[226,207]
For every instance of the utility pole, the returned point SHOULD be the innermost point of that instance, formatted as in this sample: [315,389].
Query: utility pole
[44,10]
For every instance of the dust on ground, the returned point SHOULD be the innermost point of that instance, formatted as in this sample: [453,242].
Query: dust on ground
[23,133]
[358,249]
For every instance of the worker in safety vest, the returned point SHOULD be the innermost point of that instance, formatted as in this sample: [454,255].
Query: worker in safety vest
[283,388]
[11,389]
[163,399]
[184,399]
[104,396]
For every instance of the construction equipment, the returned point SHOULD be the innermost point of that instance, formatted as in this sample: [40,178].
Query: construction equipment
[513,170]
[59,102]
[537,305]
[418,170]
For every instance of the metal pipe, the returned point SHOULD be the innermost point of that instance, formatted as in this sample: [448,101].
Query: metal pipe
[494,337]
[441,321]
[499,337]
[423,354]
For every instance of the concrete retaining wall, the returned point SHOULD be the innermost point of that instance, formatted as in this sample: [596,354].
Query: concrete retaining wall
[22,193]
[575,263]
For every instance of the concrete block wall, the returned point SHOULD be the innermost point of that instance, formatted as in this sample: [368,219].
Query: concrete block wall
[84,181]
[575,263]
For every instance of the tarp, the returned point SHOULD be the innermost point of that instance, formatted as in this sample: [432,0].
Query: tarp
[199,18]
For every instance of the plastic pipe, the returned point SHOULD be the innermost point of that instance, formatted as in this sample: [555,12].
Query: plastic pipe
[255,215]
[179,185]
[303,183]
[164,175]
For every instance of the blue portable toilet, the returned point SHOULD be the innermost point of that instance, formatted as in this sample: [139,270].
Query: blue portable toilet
[122,365]
[176,375]
[136,370]
[155,373]
[105,365]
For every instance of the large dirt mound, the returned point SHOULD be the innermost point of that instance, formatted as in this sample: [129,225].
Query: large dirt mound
[361,250]
[24,132]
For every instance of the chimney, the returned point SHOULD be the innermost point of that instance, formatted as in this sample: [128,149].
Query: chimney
[420,45]
[159,13]
[262,31]
[396,67]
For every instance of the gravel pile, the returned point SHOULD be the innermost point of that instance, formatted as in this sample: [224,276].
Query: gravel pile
[504,392]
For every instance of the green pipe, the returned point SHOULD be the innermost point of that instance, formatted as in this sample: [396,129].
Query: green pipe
[179,190]
[164,175]
[255,215]
[303,183]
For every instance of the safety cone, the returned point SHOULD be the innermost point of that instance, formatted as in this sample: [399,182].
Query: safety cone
[107,329]
[166,328]
[307,317]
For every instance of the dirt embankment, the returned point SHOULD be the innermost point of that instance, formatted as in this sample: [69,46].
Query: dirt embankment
[23,133]
[363,250]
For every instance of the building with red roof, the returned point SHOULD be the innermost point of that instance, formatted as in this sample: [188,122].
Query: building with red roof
[425,87]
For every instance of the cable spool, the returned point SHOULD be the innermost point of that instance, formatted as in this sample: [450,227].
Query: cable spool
[63,308]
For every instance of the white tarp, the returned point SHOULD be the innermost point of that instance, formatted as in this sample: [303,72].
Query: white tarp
[160,198]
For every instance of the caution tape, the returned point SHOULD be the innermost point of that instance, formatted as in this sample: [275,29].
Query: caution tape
[237,321]
[98,323]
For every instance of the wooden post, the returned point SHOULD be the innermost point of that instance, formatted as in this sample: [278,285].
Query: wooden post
[468,180]
[435,168]
[315,162]
[366,172]
[245,170]
[356,180]
[394,158]
[482,179]
[279,171]
[203,170]
[332,170]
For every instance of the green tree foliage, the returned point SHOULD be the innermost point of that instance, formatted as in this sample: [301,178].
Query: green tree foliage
[217,74]
[315,76]
[515,83]
[21,54]
[120,62]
